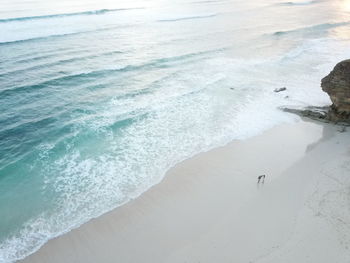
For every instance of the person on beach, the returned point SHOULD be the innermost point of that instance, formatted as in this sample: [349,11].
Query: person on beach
[261,177]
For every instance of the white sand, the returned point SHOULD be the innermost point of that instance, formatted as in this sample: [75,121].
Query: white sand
[210,208]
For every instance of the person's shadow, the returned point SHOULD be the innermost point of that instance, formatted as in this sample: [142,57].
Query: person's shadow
[260,183]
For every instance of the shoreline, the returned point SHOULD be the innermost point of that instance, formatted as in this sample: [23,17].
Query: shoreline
[209,207]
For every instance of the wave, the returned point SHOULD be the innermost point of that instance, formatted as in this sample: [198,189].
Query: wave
[186,18]
[60,35]
[43,37]
[204,1]
[58,62]
[36,57]
[88,76]
[298,3]
[315,28]
[84,13]
[208,1]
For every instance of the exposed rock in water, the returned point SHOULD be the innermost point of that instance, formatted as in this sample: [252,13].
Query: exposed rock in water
[337,85]
[280,89]
[342,129]
[315,113]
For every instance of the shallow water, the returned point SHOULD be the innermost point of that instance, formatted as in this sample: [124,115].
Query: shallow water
[98,99]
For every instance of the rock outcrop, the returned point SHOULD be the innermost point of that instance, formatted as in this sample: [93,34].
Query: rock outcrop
[312,112]
[337,85]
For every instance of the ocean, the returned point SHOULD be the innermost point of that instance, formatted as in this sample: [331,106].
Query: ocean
[98,99]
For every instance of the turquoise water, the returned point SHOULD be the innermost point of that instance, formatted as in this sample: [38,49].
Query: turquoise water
[98,99]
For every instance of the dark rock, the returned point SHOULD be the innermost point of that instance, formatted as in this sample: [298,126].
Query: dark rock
[280,89]
[342,129]
[337,85]
[316,113]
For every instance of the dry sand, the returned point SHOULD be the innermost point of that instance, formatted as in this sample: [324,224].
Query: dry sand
[210,208]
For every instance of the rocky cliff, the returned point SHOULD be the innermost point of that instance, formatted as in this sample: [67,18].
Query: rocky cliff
[337,85]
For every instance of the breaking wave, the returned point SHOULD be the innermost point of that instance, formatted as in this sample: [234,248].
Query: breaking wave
[186,18]
[84,13]
[298,3]
[312,29]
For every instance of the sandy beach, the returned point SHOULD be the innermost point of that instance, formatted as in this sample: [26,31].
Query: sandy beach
[210,208]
